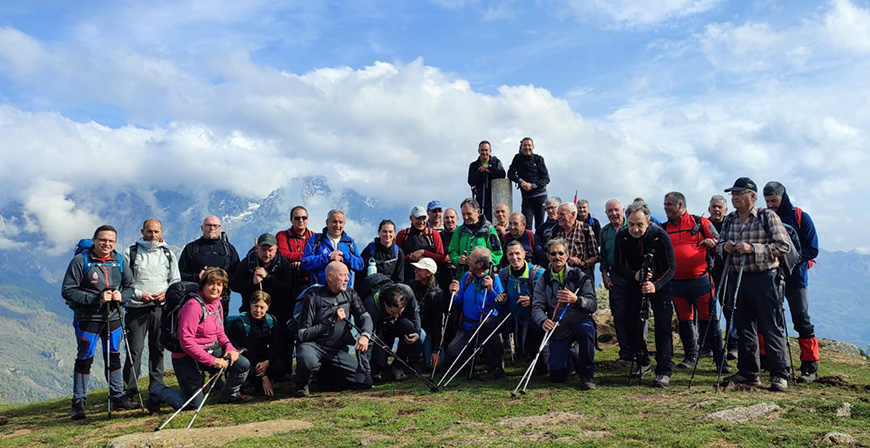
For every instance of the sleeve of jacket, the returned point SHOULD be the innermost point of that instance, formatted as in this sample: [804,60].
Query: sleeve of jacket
[242,282]
[174,272]
[513,172]
[708,229]
[360,278]
[668,252]
[137,294]
[360,314]
[496,170]
[474,176]
[602,252]
[779,241]
[453,249]
[809,239]
[495,246]
[586,297]
[278,338]
[239,338]
[414,314]
[434,330]
[127,289]
[399,273]
[312,262]
[539,302]
[438,256]
[185,265]
[71,289]
[278,281]
[308,329]
[543,173]
[619,262]
[354,261]
[188,322]
[234,260]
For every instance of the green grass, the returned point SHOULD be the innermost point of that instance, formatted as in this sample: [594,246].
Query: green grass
[473,413]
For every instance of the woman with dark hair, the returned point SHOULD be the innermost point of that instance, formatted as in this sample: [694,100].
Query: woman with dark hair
[381,256]
[205,346]
[260,334]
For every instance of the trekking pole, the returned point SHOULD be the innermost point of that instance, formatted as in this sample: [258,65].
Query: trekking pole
[470,340]
[642,319]
[731,322]
[531,368]
[106,344]
[444,321]
[377,340]
[477,340]
[713,297]
[208,383]
[204,398]
[130,356]
[477,349]
[787,343]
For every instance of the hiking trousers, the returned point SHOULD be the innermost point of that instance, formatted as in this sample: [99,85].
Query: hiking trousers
[139,321]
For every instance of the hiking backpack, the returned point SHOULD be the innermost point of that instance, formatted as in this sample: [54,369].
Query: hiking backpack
[84,247]
[245,318]
[176,296]
[789,261]
[134,250]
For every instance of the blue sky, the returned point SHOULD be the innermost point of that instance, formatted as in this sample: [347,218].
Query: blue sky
[623,98]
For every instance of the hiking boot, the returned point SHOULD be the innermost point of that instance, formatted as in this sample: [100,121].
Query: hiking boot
[807,377]
[778,384]
[706,353]
[301,392]
[399,374]
[238,399]
[762,364]
[123,403]
[153,404]
[662,381]
[741,378]
[78,409]
[491,374]
[686,364]
[587,384]
[639,371]
[732,355]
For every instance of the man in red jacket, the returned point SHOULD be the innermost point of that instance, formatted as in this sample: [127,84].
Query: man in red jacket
[291,244]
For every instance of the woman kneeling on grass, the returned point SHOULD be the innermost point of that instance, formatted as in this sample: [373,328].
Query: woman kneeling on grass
[206,346]
[259,333]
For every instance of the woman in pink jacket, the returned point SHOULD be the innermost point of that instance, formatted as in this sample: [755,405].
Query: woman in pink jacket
[206,347]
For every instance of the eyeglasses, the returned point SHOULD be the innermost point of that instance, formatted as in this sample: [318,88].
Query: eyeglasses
[300,218]
[211,225]
[559,253]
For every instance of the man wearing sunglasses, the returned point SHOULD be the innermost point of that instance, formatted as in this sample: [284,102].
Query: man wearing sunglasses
[291,244]
[563,303]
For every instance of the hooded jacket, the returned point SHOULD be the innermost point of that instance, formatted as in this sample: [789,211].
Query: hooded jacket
[82,290]
[152,270]
[806,233]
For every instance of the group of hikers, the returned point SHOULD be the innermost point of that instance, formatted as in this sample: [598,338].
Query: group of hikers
[446,294]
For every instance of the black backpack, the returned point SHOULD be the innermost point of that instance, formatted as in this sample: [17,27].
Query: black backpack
[790,261]
[177,295]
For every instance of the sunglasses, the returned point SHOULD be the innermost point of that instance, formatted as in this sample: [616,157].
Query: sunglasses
[560,253]
[300,218]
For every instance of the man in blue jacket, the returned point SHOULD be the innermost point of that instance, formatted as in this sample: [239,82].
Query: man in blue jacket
[331,245]
[796,284]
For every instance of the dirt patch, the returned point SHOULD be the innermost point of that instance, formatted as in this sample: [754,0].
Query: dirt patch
[536,421]
[408,411]
[329,403]
[837,381]
[17,433]
[213,436]
[728,386]
[609,365]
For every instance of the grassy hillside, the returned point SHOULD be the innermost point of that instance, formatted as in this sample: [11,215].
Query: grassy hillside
[475,413]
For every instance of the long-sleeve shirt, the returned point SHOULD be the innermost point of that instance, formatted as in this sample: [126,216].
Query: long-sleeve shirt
[580,239]
[195,336]
[766,248]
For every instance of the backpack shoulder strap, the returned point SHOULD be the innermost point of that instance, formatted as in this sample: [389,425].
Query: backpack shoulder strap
[798,213]
[318,240]
[134,250]
[166,252]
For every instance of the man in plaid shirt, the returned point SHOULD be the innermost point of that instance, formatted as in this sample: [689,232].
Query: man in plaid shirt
[758,303]
[582,248]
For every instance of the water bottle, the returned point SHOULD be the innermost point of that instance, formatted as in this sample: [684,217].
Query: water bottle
[373,267]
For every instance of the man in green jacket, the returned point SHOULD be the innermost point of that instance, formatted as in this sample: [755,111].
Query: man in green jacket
[475,232]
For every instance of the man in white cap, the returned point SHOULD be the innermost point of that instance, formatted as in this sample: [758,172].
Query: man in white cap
[419,241]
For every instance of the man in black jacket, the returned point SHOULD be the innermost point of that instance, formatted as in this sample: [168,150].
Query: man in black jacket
[212,250]
[264,269]
[530,173]
[324,334]
[632,244]
[481,172]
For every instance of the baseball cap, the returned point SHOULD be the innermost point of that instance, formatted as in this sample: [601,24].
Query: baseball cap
[268,239]
[418,212]
[433,205]
[743,183]
[427,264]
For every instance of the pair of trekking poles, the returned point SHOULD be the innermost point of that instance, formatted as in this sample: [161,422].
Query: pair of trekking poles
[107,353]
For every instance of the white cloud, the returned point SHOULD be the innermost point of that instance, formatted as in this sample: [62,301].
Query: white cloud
[61,220]
[630,13]
[849,25]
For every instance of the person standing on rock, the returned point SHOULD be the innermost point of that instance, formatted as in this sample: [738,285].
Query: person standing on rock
[481,173]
